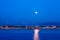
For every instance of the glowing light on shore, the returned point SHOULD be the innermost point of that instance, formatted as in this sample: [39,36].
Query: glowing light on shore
[36,34]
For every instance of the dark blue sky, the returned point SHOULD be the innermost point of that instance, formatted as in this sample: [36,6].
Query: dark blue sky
[21,12]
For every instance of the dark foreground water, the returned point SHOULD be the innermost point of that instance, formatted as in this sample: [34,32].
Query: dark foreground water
[29,34]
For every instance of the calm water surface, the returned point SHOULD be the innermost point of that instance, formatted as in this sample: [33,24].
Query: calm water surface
[29,34]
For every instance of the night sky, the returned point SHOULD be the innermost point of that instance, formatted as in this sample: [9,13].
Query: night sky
[22,12]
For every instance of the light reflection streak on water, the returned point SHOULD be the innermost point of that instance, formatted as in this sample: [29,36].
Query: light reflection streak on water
[36,34]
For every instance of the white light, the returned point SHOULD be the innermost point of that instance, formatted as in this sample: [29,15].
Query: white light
[36,12]
[36,31]
[36,35]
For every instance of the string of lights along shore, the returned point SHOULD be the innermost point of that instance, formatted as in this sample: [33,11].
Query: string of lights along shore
[29,27]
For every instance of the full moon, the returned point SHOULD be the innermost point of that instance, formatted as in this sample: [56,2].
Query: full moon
[36,12]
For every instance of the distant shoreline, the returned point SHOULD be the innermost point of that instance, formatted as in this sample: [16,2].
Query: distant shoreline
[29,27]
